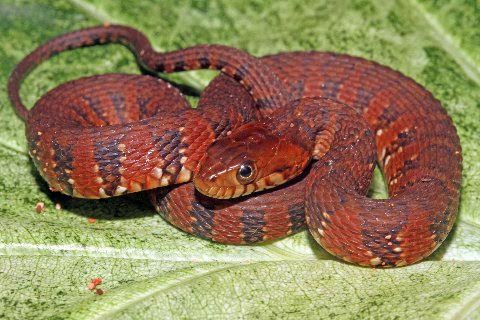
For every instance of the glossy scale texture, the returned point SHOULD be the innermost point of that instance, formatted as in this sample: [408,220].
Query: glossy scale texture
[112,134]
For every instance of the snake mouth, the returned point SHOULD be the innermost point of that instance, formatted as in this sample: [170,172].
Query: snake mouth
[222,192]
[212,190]
[228,192]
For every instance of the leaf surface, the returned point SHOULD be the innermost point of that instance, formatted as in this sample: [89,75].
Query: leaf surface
[149,268]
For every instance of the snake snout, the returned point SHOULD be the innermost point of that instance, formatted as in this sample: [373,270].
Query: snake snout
[217,178]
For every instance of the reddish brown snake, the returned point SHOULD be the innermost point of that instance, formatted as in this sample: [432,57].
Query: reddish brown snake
[260,123]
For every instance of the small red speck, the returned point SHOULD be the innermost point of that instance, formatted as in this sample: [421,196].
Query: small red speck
[97,281]
[94,283]
[39,207]
[99,292]
[91,220]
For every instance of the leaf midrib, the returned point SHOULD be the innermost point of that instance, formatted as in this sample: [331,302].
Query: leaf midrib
[73,250]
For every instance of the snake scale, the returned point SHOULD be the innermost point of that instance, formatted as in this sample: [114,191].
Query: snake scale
[313,122]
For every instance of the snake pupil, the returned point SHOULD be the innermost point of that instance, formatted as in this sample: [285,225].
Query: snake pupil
[245,171]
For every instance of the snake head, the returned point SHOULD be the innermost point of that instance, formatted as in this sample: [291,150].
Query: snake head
[249,159]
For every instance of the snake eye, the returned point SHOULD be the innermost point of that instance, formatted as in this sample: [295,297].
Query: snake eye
[246,173]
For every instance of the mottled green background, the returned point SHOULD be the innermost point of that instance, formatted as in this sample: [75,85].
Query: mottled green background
[151,269]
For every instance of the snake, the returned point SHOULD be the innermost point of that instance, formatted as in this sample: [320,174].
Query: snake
[276,144]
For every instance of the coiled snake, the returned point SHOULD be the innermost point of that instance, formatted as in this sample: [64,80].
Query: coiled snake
[315,121]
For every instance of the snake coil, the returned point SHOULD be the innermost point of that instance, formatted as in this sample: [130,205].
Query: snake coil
[328,115]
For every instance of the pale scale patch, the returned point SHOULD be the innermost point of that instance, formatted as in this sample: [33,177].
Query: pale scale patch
[120,190]
[157,172]
[250,188]
[135,186]
[151,182]
[165,181]
[387,160]
[102,193]
[375,261]
[382,153]
[239,190]
[77,194]
[276,178]
[184,175]
[401,263]
[171,169]
[261,184]
[228,193]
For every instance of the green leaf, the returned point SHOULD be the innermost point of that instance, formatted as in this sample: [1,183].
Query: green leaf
[149,268]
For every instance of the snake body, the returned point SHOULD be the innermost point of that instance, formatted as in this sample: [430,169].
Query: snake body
[107,135]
